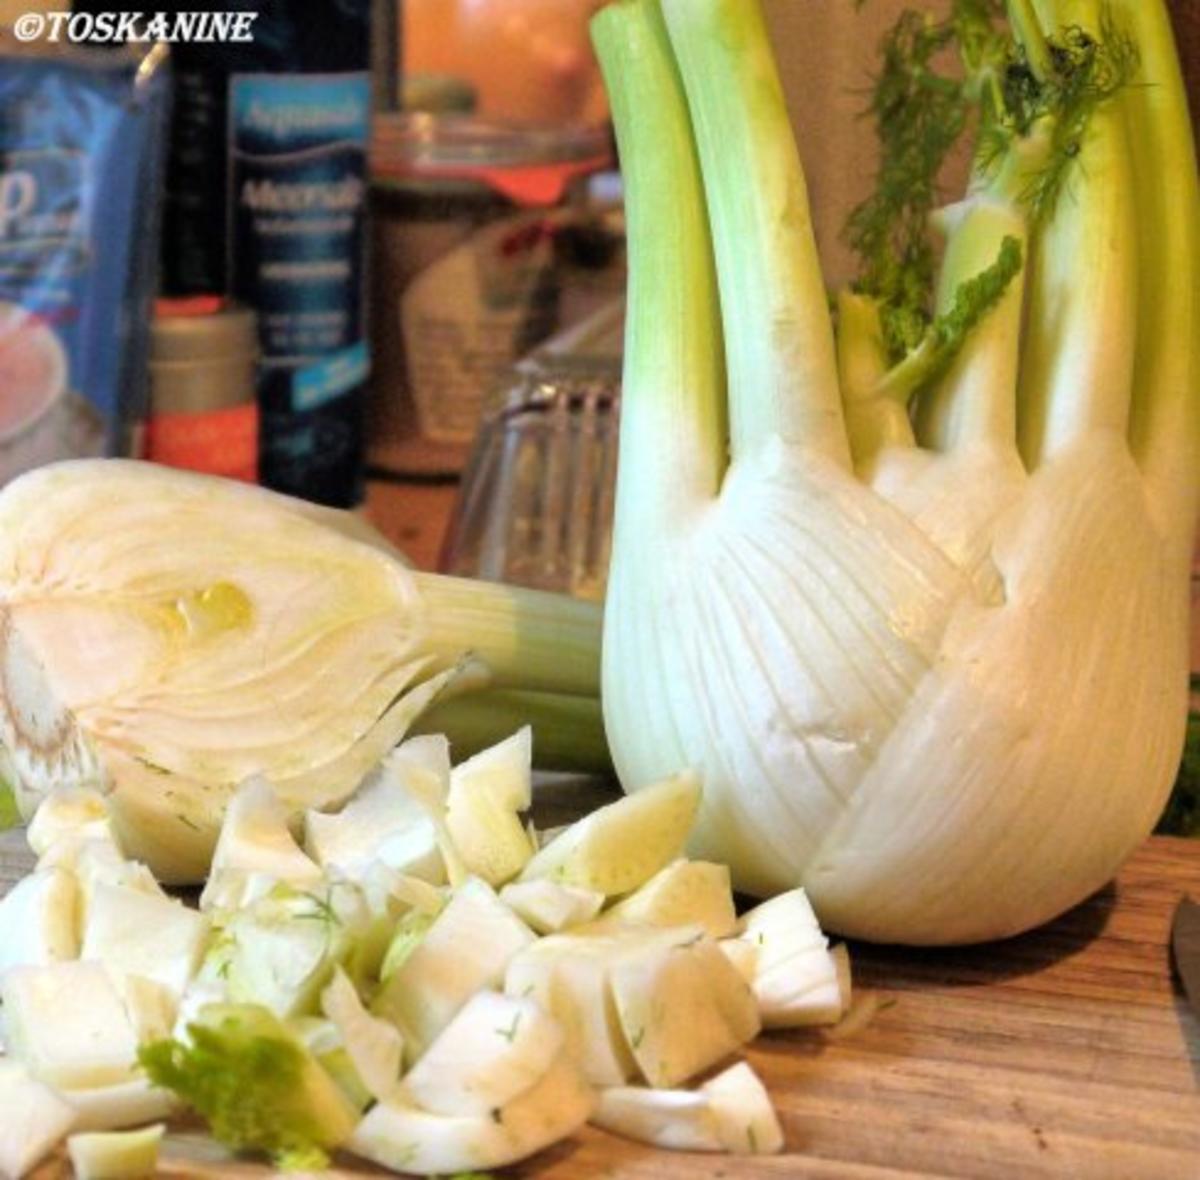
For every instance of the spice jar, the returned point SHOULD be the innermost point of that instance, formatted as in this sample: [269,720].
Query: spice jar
[203,370]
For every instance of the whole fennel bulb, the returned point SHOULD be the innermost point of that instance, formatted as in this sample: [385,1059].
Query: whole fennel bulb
[918,617]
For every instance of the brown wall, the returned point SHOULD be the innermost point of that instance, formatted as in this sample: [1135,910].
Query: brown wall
[826,53]
[1186,15]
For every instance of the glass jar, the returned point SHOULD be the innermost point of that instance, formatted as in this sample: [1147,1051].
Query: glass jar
[535,507]
[466,279]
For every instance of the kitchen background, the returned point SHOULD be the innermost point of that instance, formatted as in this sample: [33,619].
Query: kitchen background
[373,257]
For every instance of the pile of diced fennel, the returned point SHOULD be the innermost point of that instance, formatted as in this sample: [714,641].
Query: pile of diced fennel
[424,980]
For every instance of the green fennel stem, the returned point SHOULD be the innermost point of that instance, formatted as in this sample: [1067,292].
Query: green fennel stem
[1165,419]
[673,437]
[873,423]
[778,336]
[1077,353]
[970,299]
[568,731]
[527,639]
[983,257]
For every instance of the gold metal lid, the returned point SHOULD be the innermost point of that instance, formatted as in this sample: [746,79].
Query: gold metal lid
[203,355]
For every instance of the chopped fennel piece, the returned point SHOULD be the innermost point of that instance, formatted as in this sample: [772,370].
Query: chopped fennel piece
[746,1120]
[422,766]
[467,947]
[801,991]
[94,860]
[144,934]
[550,906]
[39,919]
[281,951]
[68,1025]
[255,1085]
[486,796]
[381,822]
[797,980]
[622,845]
[494,1050]
[685,892]
[661,1002]
[121,1106]
[115,1155]
[568,976]
[255,839]
[682,1009]
[69,812]
[35,1120]
[730,1112]
[375,1047]
[675,1120]
[408,1139]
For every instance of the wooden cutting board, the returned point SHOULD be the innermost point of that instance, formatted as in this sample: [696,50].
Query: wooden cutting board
[1067,1053]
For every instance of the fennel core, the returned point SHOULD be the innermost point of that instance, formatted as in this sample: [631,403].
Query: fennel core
[911,595]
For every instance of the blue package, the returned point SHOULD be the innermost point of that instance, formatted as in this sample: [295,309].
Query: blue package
[82,137]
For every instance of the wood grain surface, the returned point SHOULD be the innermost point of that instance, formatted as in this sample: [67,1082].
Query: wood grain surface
[1066,1053]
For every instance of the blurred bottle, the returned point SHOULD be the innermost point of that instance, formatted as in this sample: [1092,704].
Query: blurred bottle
[528,60]
[266,202]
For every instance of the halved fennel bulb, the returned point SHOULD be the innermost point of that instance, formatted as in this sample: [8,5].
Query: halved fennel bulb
[165,635]
[929,660]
